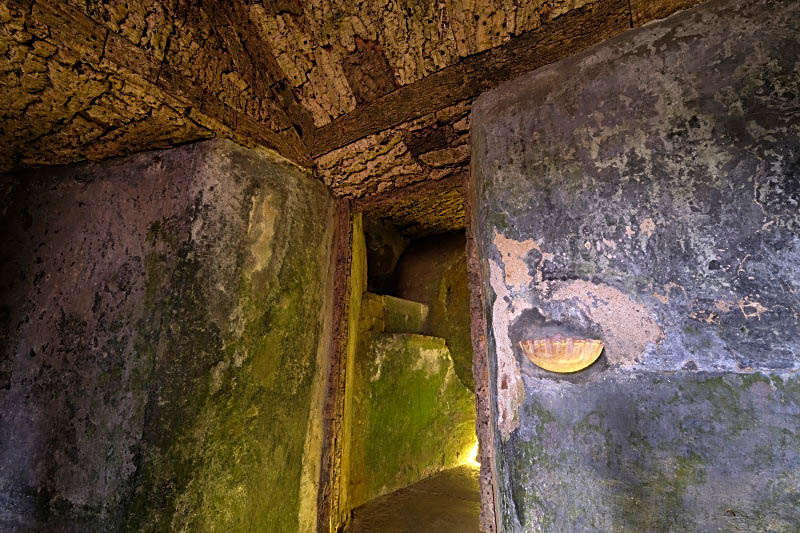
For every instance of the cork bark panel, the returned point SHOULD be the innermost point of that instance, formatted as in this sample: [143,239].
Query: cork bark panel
[424,210]
[368,72]
[313,44]
[315,38]
[76,90]
[57,108]
[146,23]
[478,26]
[432,148]
[643,11]
[180,33]
[314,71]
[197,52]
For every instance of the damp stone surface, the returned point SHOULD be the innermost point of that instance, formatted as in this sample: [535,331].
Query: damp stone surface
[646,193]
[162,323]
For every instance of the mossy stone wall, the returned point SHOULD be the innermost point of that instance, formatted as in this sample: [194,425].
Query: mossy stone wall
[433,271]
[412,417]
[162,343]
[645,193]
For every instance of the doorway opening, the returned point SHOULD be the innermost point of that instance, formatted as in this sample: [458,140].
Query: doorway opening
[412,454]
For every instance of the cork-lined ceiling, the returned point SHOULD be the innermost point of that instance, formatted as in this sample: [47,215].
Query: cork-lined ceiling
[373,94]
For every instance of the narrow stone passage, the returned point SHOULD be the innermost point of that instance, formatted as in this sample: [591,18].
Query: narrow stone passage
[300,266]
[446,502]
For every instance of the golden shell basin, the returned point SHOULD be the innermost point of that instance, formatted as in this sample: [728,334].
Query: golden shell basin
[561,354]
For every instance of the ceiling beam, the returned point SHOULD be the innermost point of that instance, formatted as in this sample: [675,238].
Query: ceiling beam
[565,35]
[256,61]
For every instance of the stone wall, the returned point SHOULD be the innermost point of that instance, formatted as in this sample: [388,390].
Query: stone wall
[645,193]
[411,415]
[163,332]
[433,271]
[407,415]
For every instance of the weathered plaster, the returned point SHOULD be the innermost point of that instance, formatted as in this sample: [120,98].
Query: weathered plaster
[644,193]
[627,328]
[510,391]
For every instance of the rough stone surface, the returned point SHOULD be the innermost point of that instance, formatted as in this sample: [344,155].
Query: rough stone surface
[433,271]
[385,245]
[645,193]
[388,314]
[162,339]
[406,413]
[447,502]
[411,418]
[646,451]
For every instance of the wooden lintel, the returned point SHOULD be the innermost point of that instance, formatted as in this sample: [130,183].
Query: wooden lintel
[376,201]
[563,36]
[258,62]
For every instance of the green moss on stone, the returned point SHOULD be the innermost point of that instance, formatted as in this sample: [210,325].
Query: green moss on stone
[234,358]
[655,500]
[412,416]
[450,318]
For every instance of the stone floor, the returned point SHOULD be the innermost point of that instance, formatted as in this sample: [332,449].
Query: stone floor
[443,503]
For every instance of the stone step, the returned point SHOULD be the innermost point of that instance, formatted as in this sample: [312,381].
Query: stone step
[387,314]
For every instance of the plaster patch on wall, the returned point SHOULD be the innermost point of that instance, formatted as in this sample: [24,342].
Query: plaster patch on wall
[648,227]
[751,308]
[513,255]
[627,327]
[709,317]
[510,390]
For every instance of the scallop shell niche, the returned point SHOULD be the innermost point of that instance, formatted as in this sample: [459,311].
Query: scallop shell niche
[561,354]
